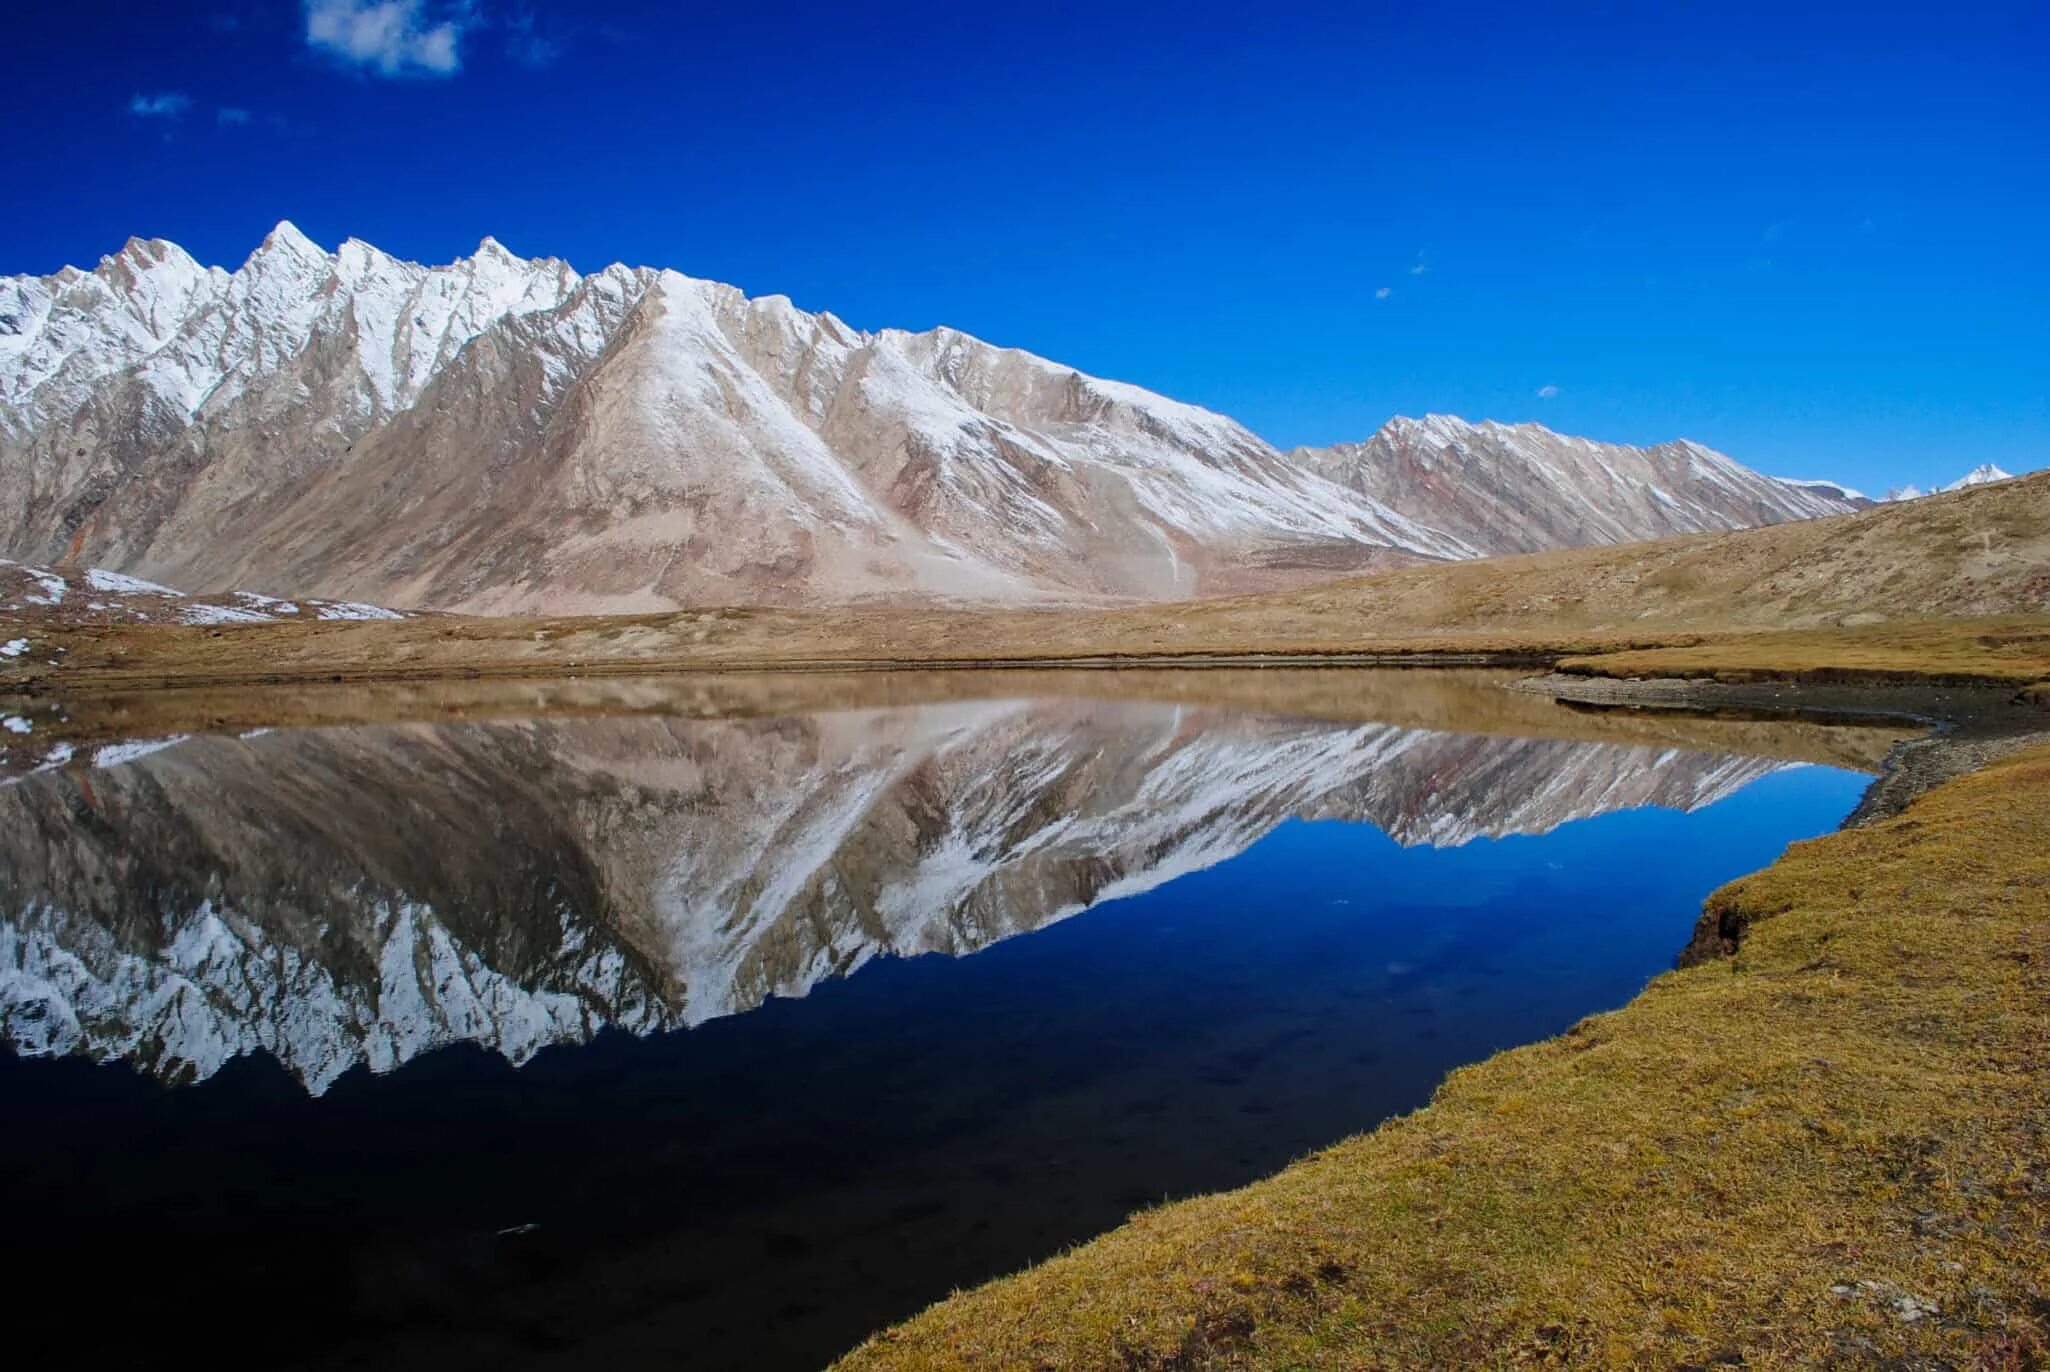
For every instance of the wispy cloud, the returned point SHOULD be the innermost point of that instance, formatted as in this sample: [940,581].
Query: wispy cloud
[1384,292]
[528,44]
[1547,392]
[1419,269]
[162,105]
[230,114]
[390,37]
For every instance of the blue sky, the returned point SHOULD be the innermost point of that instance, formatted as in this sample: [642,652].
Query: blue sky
[1812,236]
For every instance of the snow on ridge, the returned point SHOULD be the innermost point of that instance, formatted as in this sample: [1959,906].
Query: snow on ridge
[197,332]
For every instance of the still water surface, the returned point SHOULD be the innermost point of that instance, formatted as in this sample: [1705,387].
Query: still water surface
[719,1043]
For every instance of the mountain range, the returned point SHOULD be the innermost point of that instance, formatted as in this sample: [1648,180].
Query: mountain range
[1983,474]
[504,434]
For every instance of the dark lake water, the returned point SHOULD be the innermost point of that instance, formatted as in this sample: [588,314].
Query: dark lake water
[718,1043]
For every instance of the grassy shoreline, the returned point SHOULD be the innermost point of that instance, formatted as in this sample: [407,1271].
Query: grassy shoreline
[2000,651]
[1829,1148]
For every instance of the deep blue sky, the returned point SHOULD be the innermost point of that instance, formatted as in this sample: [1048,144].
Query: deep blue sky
[1812,236]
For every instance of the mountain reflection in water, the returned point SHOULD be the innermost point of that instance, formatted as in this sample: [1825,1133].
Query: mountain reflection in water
[762,1190]
[363,896]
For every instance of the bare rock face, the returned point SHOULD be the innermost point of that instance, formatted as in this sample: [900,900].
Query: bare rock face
[1520,488]
[507,434]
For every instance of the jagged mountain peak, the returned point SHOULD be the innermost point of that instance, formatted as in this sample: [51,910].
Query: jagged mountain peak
[152,251]
[285,237]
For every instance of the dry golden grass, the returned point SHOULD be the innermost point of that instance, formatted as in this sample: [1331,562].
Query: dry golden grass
[1997,652]
[1832,1149]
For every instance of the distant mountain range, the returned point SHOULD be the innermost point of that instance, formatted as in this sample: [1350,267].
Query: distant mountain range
[1978,476]
[507,434]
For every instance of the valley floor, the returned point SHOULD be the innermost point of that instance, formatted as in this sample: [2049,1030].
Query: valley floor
[1825,1149]
[2008,650]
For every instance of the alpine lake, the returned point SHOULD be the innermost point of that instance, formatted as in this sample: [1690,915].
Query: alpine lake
[716,1024]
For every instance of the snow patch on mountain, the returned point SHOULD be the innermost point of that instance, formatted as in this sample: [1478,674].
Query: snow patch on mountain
[101,596]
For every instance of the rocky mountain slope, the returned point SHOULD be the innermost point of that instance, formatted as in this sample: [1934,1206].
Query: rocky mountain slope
[1520,488]
[183,904]
[501,434]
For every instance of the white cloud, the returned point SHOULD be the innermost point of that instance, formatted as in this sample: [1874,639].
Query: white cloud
[163,105]
[1384,293]
[1419,269]
[390,37]
[1547,392]
[229,114]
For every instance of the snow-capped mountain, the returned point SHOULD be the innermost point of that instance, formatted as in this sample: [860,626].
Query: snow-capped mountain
[1980,475]
[1519,488]
[506,433]
[180,905]
[1983,474]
